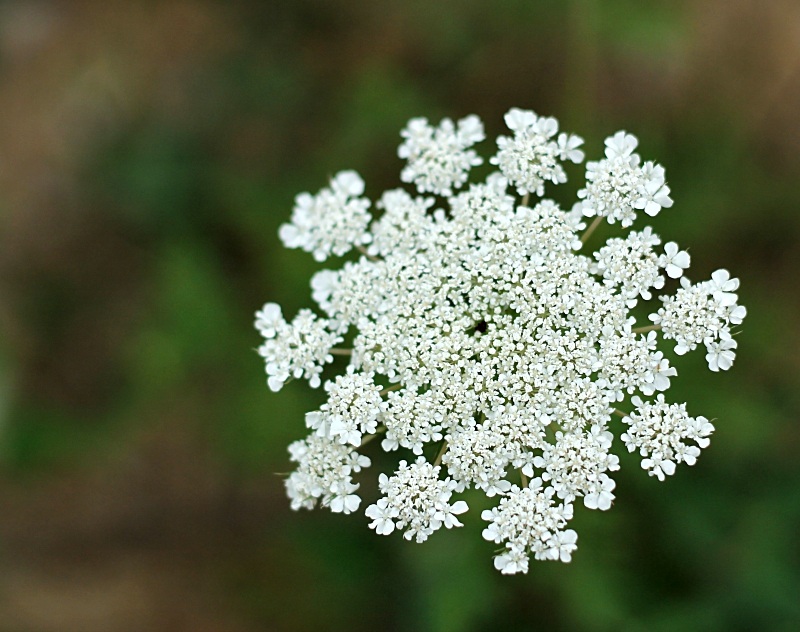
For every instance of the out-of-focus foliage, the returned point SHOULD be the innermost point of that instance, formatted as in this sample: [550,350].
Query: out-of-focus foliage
[148,153]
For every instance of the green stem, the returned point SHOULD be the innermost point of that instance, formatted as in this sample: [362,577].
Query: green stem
[363,251]
[389,389]
[640,330]
[341,352]
[439,456]
[620,413]
[523,478]
[591,228]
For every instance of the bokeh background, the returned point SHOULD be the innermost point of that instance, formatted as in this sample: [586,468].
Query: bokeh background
[148,153]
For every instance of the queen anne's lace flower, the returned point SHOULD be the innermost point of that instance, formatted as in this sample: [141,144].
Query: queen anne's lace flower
[528,521]
[486,344]
[439,158]
[299,349]
[703,313]
[632,264]
[577,464]
[412,420]
[333,221]
[324,471]
[353,407]
[415,499]
[532,157]
[658,430]
[619,186]
[674,261]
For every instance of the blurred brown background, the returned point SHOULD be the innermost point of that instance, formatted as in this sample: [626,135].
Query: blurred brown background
[148,153]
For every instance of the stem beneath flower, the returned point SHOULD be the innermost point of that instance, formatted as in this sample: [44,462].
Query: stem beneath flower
[363,251]
[591,228]
[341,352]
[640,330]
[439,456]
[389,389]
[620,413]
[525,199]
[523,478]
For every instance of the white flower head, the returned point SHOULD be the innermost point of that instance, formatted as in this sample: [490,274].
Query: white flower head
[333,221]
[704,313]
[532,157]
[353,407]
[439,159]
[720,354]
[659,432]
[577,464]
[295,350]
[324,473]
[415,499]
[528,521]
[620,145]
[269,320]
[618,186]
[322,285]
[632,265]
[481,340]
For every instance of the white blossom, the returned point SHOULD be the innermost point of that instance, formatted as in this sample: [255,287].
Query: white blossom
[269,320]
[352,410]
[661,372]
[333,221]
[439,159]
[577,466]
[478,455]
[632,265]
[531,157]
[620,145]
[674,261]
[659,430]
[561,545]
[528,521]
[722,287]
[653,193]
[295,350]
[322,285]
[412,420]
[720,354]
[405,223]
[415,499]
[618,186]
[324,472]
[704,313]
[483,339]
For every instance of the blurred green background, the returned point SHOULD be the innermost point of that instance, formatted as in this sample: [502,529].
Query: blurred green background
[148,153]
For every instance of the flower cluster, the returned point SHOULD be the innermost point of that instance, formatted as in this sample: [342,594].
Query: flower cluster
[532,157]
[299,349]
[416,498]
[324,471]
[618,186]
[440,158]
[633,264]
[657,430]
[333,221]
[703,313]
[528,521]
[486,343]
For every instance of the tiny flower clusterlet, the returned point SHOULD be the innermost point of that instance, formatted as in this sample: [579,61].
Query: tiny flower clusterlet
[484,338]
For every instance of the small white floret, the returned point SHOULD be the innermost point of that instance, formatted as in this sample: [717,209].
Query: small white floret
[674,261]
